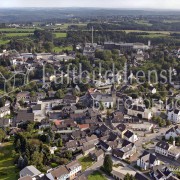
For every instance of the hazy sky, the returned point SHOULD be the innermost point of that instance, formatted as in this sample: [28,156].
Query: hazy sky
[154,4]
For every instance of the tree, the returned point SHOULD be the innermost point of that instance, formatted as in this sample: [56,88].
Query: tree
[168,123]
[129,177]
[2,135]
[68,154]
[20,162]
[171,139]
[108,164]
[37,159]
[60,143]
[60,94]
[48,139]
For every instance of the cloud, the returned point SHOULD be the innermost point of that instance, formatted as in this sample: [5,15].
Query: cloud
[155,4]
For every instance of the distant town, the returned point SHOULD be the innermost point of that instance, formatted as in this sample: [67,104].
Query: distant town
[87,101]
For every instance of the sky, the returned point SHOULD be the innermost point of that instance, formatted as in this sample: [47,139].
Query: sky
[131,4]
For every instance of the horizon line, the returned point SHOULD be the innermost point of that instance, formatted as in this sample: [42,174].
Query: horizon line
[105,8]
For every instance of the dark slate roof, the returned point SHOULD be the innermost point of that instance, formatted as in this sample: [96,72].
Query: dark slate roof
[118,152]
[163,145]
[36,107]
[128,134]
[24,116]
[105,145]
[121,127]
[173,129]
[125,143]
[138,176]
[137,108]
[112,137]
[148,157]
[176,111]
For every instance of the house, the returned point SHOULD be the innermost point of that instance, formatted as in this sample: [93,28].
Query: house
[139,176]
[26,178]
[78,117]
[130,136]
[87,149]
[97,155]
[139,111]
[51,94]
[162,172]
[126,150]
[106,100]
[70,99]
[71,145]
[147,160]
[141,127]
[93,139]
[52,149]
[172,132]
[174,116]
[4,122]
[4,111]
[152,90]
[121,129]
[117,117]
[102,130]
[24,96]
[60,173]
[24,116]
[105,146]
[167,150]
[29,171]
[74,168]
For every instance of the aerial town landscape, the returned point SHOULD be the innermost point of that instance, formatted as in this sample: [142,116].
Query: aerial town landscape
[89,92]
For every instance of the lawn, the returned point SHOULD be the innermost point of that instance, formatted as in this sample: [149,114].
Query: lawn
[60,35]
[2,42]
[85,162]
[17,34]
[8,171]
[61,48]
[96,175]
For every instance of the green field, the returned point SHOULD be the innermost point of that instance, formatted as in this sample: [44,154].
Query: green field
[17,34]
[60,35]
[152,32]
[17,30]
[85,162]
[61,48]
[8,171]
[96,175]
[65,26]
[156,35]
[3,42]
[141,22]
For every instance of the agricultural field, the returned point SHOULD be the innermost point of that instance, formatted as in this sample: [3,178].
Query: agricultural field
[16,30]
[65,26]
[142,22]
[60,35]
[152,32]
[155,35]
[17,34]
[8,171]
